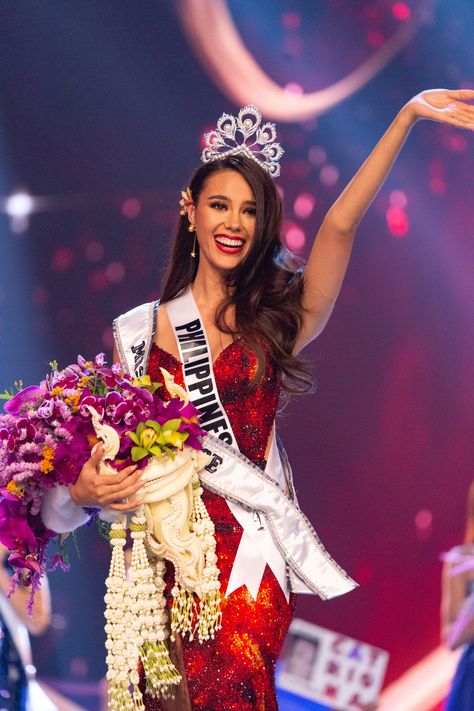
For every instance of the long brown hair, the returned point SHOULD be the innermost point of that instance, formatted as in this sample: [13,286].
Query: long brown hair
[266,287]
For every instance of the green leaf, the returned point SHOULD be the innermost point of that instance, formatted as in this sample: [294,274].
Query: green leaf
[170,452]
[154,425]
[139,453]
[133,437]
[7,395]
[172,424]
[140,429]
[156,449]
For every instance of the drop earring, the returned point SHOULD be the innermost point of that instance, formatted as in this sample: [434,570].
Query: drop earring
[192,228]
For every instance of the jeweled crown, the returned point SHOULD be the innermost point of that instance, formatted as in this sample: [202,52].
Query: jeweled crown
[257,140]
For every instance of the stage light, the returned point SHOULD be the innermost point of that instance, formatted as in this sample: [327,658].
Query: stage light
[19,205]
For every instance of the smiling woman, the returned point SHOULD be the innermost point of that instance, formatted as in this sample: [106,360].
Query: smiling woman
[236,310]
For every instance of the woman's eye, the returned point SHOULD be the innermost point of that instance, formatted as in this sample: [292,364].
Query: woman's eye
[251,211]
[218,205]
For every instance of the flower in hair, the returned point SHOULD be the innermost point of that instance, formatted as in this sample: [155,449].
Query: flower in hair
[186,200]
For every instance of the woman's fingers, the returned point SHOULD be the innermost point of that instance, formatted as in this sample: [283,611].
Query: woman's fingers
[463,94]
[126,506]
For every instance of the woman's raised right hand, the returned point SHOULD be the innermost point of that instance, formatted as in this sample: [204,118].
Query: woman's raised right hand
[106,490]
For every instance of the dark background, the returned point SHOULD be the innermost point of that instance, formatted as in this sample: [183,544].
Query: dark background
[102,105]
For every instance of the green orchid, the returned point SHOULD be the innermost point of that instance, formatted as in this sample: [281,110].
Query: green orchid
[145,382]
[151,438]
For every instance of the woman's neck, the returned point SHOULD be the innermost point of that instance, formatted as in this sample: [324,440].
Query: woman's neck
[209,288]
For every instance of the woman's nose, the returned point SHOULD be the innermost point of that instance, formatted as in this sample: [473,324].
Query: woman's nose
[233,221]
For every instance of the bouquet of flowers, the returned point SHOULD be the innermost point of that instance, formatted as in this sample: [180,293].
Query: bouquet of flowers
[46,435]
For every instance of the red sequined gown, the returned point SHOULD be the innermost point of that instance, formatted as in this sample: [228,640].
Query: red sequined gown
[235,671]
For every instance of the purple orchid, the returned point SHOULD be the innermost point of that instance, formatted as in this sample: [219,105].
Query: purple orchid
[23,399]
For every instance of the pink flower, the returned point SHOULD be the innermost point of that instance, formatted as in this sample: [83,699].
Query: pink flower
[23,399]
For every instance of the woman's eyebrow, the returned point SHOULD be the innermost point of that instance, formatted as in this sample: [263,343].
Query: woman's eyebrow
[224,197]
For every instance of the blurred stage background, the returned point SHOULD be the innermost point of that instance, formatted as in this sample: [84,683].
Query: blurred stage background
[102,105]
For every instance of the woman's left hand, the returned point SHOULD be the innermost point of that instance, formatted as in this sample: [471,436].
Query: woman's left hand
[444,106]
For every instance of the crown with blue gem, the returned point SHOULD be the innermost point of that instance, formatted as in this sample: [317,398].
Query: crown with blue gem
[244,134]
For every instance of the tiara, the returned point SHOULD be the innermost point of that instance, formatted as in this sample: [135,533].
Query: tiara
[257,140]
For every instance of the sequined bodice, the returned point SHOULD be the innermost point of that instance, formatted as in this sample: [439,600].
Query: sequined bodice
[251,412]
[235,670]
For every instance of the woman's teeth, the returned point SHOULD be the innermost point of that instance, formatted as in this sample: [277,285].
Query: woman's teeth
[229,245]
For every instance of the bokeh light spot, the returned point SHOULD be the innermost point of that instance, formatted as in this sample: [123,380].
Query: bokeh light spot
[398,199]
[19,205]
[94,251]
[291,20]
[62,259]
[131,208]
[294,237]
[317,155]
[397,221]
[401,11]
[375,38]
[329,175]
[423,519]
[98,280]
[304,205]
[115,272]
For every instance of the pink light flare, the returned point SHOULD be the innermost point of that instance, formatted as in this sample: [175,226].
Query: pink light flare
[397,221]
[62,259]
[294,236]
[317,155]
[375,38]
[401,11]
[437,181]
[398,199]
[115,272]
[329,175]
[94,251]
[291,20]
[424,524]
[131,208]
[304,205]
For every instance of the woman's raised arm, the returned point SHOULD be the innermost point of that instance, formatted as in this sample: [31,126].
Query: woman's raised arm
[329,257]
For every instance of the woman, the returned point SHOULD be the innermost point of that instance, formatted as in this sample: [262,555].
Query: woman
[18,690]
[231,278]
[457,613]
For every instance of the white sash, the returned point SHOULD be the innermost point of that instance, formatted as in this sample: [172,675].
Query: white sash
[256,547]
[294,543]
